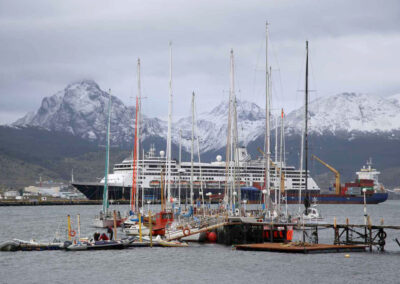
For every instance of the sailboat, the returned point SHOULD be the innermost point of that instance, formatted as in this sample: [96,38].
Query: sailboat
[270,212]
[310,213]
[232,198]
[106,219]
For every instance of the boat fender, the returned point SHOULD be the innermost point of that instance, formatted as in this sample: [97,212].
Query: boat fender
[186,231]
[289,235]
[72,233]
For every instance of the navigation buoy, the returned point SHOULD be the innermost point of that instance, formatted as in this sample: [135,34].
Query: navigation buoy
[347,256]
[212,237]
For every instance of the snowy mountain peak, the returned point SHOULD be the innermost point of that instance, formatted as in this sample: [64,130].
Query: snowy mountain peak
[212,126]
[348,112]
[85,83]
[81,109]
[246,110]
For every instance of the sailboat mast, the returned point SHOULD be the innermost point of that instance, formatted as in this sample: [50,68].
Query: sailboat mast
[231,134]
[276,139]
[234,136]
[138,117]
[133,202]
[267,121]
[281,164]
[227,194]
[201,191]
[180,163]
[105,190]
[306,197]
[191,154]
[169,138]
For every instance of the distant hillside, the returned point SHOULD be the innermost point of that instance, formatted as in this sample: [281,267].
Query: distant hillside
[40,146]
[29,152]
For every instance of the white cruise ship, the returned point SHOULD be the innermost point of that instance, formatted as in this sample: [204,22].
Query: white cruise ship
[250,172]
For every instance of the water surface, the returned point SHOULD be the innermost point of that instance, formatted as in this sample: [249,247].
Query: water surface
[200,263]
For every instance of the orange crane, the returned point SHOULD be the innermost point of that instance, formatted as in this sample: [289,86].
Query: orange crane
[332,169]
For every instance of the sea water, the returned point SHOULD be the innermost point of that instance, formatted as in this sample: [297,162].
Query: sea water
[199,263]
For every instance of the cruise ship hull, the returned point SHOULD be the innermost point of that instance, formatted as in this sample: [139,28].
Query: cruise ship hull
[374,198]
[94,191]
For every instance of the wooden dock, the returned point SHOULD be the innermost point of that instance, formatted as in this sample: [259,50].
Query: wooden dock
[301,248]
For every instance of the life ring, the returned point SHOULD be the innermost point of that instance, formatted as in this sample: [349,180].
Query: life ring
[72,233]
[186,231]
[237,211]
[382,235]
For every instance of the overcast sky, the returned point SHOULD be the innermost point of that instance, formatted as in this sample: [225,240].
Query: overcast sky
[45,45]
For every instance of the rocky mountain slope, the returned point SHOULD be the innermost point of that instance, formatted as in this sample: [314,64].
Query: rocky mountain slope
[81,109]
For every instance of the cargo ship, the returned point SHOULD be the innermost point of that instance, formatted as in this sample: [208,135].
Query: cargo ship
[351,192]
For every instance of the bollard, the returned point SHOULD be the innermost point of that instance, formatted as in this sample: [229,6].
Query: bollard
[140,227]
[69,227]
[151,231]
[115,224]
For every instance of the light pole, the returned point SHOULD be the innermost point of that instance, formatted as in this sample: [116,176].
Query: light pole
[265,198]
[365,206]
[148,206]
[209,199]
[244,205]
[180,171]
[234,203]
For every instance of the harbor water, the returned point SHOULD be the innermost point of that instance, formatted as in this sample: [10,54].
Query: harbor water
[199,263]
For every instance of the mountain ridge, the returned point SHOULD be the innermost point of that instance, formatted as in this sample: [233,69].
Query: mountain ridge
[80,109]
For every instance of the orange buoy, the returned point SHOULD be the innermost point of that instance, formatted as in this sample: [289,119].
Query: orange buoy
[212,237]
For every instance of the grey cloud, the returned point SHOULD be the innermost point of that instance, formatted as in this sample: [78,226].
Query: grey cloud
[48,44]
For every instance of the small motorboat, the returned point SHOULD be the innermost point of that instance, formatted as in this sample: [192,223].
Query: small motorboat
[100,245]
[165,243]
[9,246]
[32,245]
[312,214]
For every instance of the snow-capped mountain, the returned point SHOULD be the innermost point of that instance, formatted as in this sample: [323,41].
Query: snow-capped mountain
[212,126]
[81,109]
[348,112]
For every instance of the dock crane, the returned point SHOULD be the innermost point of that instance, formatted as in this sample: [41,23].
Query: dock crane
[332,169]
